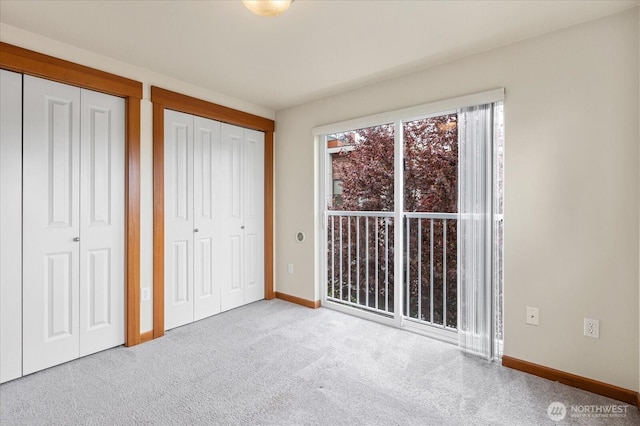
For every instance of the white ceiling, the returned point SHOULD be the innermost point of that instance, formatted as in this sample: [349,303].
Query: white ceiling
[317,48]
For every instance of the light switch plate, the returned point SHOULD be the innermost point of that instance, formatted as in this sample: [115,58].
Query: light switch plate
[533,316]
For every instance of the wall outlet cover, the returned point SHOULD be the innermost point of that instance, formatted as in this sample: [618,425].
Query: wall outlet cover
[592,328]
[146,294]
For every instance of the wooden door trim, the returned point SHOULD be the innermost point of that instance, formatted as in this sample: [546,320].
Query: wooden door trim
[17,59]
[164,99]
[195,106]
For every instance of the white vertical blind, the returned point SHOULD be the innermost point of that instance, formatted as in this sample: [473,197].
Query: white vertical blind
[475,203]
[498,225]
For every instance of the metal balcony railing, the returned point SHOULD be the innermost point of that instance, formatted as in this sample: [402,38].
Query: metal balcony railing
[360,270]
[431,269]
[360,257]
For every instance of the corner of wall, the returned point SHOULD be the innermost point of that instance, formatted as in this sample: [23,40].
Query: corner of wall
[638,70]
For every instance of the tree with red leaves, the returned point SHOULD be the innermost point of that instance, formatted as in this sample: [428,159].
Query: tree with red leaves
[365,166]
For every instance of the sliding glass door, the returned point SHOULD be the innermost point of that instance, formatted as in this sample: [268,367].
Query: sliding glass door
[413,223]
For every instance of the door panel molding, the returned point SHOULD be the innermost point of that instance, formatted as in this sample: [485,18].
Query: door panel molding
[179,223]
[206,166]
[164,99]
[28,62]
[51,223]
[102,222]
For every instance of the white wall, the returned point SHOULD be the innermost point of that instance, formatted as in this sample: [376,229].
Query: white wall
[27,40]
[572,187]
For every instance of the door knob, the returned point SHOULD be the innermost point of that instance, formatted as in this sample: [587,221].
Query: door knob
[196,230]
[76,239]
[242,227]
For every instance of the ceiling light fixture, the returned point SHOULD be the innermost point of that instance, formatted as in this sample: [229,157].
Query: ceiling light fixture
[267,7]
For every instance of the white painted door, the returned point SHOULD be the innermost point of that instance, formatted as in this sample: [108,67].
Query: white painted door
[10,225]
[253,215]
[192,152]
[214,222]
[51,161]
[231,204]
[73,232]
[242,221]
[178,218]
[206,238]
[102,230]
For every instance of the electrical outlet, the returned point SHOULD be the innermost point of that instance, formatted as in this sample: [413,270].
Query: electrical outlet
[146,294]
[592,328]
[533,316]
[290,268]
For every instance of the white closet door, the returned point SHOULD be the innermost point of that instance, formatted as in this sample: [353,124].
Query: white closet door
[206,154]
[10,225]
[178,218]
[51,198]
[102,222]
[231,209]
[253,269]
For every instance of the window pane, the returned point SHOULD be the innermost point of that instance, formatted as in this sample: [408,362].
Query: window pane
[431,164]
[337,186]
[361,161]
[431,186]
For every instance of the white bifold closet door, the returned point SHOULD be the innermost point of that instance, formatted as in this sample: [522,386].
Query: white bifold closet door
[241,203]
[73,223]
[191,152]
[213,217]
[10,225]
[206,163]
